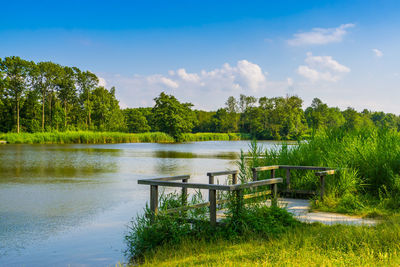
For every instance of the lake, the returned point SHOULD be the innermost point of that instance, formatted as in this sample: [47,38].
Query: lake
[70,204]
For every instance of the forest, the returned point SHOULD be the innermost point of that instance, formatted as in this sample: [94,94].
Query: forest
[48,97]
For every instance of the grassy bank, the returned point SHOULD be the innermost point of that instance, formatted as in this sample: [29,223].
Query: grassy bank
[304,245]
[368,163]
[367,182]
[89,137]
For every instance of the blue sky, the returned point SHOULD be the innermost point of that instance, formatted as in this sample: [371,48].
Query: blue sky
[344,52]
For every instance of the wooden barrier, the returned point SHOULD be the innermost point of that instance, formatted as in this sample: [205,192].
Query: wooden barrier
[323,171]
[173,181]
[212,190]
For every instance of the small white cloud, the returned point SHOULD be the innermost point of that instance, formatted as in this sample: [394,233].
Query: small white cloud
[322,68]
[320,36]
[290,81]
[378,53]
[102,82]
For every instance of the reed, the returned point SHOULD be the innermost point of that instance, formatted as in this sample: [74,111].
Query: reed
[90,137]
[368,163]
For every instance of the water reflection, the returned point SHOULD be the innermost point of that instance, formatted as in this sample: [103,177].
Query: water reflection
[69,204]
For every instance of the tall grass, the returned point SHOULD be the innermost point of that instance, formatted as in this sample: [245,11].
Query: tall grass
[368,163]
[303,245]
[191,137]
[89,137]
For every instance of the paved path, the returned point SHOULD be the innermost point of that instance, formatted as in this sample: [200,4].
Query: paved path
[300,208]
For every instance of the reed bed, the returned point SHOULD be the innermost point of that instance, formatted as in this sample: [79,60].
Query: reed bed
[367,160]
[90,137]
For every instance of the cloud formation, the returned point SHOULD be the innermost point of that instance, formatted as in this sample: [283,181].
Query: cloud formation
[206,89]
[320,36]
[322,68]
[378,53]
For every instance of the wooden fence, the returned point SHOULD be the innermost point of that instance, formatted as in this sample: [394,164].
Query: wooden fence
[181,181]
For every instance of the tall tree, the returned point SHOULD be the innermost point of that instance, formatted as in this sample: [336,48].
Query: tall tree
[17,80]
[173,117]
[67,90]
[45,76]
[87,82]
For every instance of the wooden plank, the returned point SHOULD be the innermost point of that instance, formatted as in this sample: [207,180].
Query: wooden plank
[322,190]
[153,200]
[258,183]
[222,173]
[314,168]
[168,178]
[255,176]
[266,168]
[187,185]
[212,197]
[234,178]
[184,193]
[328,172]
[220,201]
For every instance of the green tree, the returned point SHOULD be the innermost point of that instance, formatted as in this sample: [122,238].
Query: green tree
[136,122]
[173,117]
[86,82]
[107,114]
[67,91]
[17,81]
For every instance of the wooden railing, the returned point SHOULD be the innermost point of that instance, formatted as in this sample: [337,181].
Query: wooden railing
[172,181]
[323,172]
[182,182]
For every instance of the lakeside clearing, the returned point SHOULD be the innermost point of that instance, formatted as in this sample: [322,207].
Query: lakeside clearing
[90,137]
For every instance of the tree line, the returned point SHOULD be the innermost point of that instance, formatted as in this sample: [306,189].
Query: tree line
[46,96]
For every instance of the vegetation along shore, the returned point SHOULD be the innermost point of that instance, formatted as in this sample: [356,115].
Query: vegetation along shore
[366,183]
[46,97]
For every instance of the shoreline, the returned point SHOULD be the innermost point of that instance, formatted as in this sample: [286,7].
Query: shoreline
[91,137]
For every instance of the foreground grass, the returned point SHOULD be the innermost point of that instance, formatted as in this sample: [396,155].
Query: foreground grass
[303,245]
[89,137]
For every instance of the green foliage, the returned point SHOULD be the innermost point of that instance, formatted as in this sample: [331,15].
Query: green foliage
[136,122]
[173,117]
[253,221]
[367,160]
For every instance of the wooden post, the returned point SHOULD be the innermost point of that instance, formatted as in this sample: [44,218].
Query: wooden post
[234,178]
[153,201]
[272,173]
[255,174]
[274,201]
[322,179]
[184,193]
[288,179]
[212,198]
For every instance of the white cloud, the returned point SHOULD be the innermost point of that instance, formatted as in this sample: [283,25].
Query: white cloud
[290,81]
[378,53]
[205,89]
[320,36]
[102,82]
[322,68]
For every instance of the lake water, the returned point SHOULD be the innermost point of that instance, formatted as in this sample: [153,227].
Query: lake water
[70,204]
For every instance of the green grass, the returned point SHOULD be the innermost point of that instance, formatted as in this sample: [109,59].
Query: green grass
[368,163]
[89,137]
[191,137]
[303,245]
